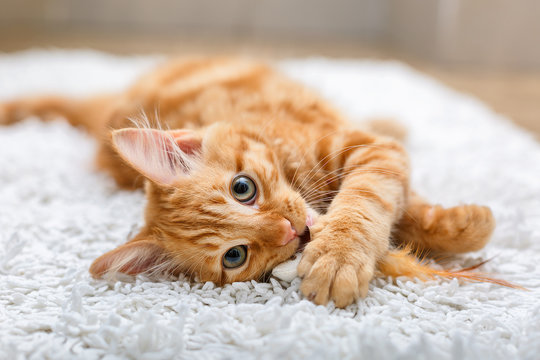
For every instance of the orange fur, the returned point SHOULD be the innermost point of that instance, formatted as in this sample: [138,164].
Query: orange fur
[208,120]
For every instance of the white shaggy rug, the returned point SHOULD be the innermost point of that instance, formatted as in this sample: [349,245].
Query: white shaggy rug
[57,215]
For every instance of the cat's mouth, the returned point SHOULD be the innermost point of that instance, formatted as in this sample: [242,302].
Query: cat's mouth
[306,235]
[304,239]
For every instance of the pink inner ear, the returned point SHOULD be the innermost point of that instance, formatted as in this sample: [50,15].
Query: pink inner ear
[188,141]
[132,258]
[161,156]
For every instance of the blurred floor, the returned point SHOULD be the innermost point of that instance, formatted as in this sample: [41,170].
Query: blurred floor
[514,94]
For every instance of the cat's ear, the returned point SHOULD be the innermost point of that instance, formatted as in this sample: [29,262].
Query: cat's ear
[132,258]
[161,156]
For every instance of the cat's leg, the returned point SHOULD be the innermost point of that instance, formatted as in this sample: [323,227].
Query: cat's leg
[431,228]
[354,234]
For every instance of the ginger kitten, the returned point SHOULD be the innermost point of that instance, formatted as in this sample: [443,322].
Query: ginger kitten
[242,166]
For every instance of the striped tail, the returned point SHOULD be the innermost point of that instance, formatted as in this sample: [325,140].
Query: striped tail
[404,262]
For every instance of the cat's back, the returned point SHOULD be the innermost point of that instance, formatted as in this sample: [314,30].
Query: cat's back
[184,75]
[197,91]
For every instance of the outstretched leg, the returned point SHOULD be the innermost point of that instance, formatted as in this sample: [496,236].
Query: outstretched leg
[349,240]
[434,229]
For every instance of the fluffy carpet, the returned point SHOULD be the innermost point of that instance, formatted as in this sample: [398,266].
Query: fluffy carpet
[57,214]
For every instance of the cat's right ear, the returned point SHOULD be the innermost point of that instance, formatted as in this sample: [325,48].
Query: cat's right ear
[161,156]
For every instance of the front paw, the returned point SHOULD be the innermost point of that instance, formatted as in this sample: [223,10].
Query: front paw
[335,267]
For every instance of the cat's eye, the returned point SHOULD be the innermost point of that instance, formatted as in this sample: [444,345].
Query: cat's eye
[235,257]
[243,189]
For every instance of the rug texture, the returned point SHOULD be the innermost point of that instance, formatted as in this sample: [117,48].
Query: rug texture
[57,214]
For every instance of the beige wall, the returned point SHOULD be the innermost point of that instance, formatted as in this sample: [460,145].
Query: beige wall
[488,32]
[479,32]
[297,18]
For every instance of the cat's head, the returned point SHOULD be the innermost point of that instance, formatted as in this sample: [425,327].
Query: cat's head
[219,207]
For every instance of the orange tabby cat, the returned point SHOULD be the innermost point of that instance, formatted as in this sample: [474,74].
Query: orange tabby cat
[250,165]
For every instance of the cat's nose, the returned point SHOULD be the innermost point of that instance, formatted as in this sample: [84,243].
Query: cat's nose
[289,232]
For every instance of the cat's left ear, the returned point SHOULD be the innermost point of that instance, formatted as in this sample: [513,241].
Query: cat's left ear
[132,258]
[161,156]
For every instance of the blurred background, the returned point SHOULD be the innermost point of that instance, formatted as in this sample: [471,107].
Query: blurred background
[488,48]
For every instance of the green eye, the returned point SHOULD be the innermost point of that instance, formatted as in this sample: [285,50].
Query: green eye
[235,257]
[243,189]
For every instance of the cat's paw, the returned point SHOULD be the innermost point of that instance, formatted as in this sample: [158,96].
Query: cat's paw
[335,268]
[458,229]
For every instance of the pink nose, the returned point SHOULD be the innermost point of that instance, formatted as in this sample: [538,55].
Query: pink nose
[290,232]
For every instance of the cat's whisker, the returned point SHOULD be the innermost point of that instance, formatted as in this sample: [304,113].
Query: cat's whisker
[321,182]
[331,157]
[310,149]
[199,263]
[272,119]
[169,265]
[316,191]
[322,204]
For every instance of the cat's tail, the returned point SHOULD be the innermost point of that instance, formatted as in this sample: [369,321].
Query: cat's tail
[88,113]
[404,262]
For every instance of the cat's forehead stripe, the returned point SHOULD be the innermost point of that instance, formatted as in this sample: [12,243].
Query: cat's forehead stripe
[239,160]
[209,212]
[203,236]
